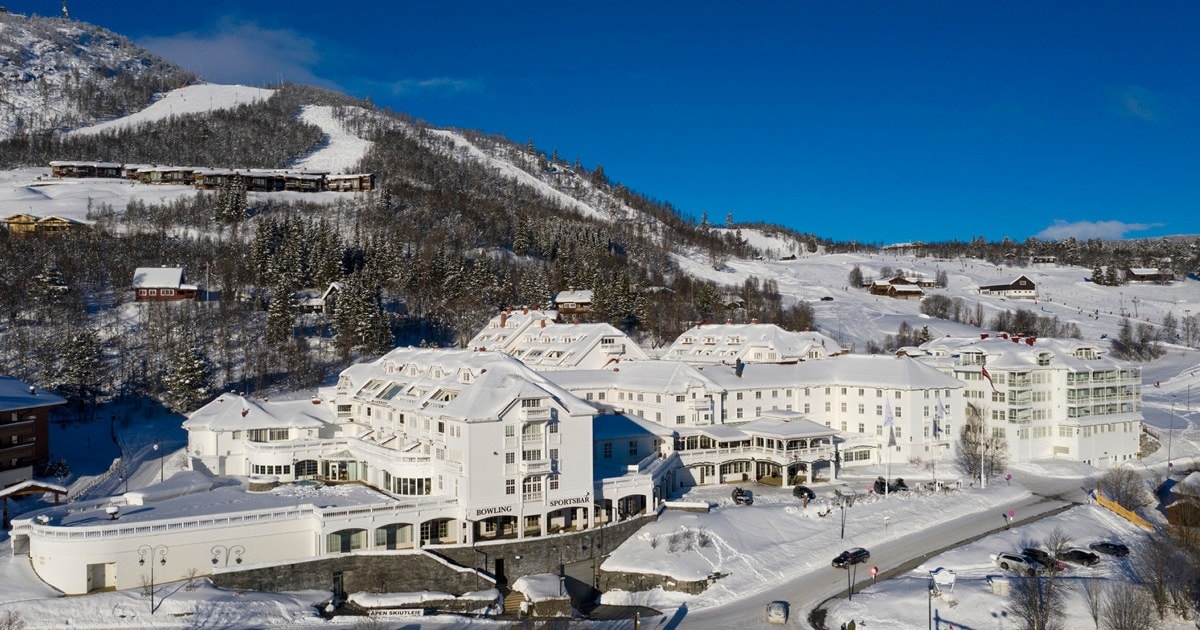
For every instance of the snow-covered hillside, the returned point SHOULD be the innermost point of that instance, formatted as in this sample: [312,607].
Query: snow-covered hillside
[193,99]
[56,73]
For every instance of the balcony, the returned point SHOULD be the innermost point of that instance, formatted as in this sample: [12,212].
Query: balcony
[536,467]
[535,414]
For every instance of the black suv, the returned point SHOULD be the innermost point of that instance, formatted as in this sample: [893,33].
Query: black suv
[1080,556]
[1043,558]
[851,556]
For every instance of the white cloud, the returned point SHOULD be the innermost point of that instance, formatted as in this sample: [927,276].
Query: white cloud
[243,53]
[1140,103]
[1084,230]
[444,85]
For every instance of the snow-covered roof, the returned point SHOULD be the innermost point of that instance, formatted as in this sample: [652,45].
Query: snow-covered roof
[853,370]
[668,377]
[1015,353]
[157,277]
[231,412]
[461,383]
[726,343]
[16,394]
[785,424]
[574,297]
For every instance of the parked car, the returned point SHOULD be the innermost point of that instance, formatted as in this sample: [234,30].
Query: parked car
[777,612]
[742,497]
[1043,558]
[1019,563]
[1077,555]
[804,492]
[851,556]
[1109,548]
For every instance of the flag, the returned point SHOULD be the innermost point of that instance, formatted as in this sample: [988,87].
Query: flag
[889,421]
[984,372]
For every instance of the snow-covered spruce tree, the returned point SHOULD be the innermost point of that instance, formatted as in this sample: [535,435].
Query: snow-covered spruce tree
[358,317]
[82,370]
[189,379]
[231,204]
[281,313]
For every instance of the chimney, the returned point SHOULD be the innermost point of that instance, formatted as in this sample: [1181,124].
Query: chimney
[753,320]
[738,367]
[729,321]
[32,390]
[503,318]
[542,322]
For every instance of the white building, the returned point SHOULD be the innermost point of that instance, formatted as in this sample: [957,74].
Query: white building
[540,342]
[749,343]
[452,447]
[1049,398]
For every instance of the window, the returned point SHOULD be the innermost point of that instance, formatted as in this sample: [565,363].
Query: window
[633,448]
[681,419]
[531,488]
[738,396]
[510,486]
[608,451]
[531,455]
[510,458]
[553,453]
[552,482]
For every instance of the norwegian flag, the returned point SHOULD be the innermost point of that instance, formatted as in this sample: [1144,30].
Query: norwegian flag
[984,372]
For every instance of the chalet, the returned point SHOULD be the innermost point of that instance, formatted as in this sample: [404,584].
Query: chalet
[85,169]
[1043,260]
[24,429]
[350,182]
[185,175]
[1149,274]
[215,178]
[317,301]
[572,302]
[899,288]
[57,225]
[21,224]
[1020,289]
[297,181]
[28,225]
[161,284]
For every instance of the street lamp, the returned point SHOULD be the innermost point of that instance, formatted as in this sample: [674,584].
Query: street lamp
[1171,434]
[160,463]
[222,551]
[844,501]
[146,553]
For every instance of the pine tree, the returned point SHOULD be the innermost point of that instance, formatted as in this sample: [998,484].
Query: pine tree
[82,371]
[281,314]
[189,380]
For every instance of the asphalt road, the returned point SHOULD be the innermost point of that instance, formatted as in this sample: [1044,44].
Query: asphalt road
[807,592]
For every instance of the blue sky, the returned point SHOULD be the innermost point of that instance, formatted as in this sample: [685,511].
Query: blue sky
[873,121]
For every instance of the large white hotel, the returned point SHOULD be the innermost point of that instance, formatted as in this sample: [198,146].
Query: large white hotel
[462,447]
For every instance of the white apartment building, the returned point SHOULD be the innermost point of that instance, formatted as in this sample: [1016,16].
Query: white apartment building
[1049,398]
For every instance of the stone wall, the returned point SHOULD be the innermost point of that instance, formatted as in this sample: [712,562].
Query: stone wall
[397,572]
[415,571]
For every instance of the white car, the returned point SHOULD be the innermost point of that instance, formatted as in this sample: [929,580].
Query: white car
[777,612]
